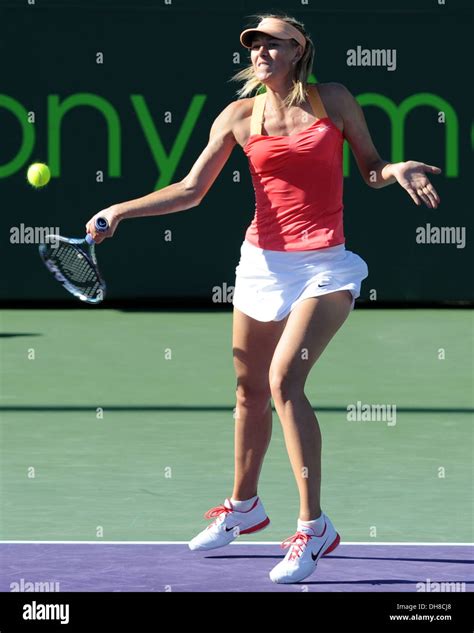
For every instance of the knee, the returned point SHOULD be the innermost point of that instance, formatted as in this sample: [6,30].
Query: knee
[253,396]
[285,386]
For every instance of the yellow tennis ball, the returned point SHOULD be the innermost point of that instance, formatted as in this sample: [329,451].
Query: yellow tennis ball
[38,175]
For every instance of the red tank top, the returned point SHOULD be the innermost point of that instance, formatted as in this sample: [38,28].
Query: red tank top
[298,183]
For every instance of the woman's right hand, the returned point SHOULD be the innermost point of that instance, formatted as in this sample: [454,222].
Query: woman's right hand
[112,217]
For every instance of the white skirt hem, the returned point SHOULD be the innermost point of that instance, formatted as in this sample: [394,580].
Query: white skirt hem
[269,284]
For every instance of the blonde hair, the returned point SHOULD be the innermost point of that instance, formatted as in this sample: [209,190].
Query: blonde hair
[303,67]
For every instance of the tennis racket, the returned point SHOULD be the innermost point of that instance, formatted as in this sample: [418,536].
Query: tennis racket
[74,264]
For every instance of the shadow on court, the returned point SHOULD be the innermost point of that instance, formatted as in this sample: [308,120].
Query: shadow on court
[17,334]
[408,560]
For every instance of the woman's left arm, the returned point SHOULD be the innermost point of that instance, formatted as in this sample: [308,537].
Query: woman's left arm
[375,171]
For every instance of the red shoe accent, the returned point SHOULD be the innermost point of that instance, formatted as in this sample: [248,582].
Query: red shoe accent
[215,512]
[333,546]
[298,541]
[257,527]
[254,504]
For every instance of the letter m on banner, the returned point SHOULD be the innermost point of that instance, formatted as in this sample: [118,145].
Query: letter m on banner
[397,116]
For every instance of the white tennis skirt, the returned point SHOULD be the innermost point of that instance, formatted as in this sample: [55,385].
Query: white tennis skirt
[269,284]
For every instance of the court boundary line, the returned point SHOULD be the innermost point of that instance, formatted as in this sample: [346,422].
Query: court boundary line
[100,542]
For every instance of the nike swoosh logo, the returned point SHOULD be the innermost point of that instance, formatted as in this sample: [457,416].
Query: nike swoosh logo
[315,557]
[232,528]
[322,285]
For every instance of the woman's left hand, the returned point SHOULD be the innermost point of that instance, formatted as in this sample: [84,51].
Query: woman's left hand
[412,176]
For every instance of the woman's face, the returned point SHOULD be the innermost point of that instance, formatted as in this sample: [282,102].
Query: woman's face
[272,57]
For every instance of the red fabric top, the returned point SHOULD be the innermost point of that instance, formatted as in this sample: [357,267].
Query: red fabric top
[298,183]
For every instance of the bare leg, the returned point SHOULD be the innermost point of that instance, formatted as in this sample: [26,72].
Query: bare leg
[310,327]
[254,343]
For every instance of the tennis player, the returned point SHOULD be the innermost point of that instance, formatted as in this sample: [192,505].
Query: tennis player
[295,282]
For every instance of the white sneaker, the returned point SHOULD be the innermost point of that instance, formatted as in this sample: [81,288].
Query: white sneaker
[306,548]
[229,524]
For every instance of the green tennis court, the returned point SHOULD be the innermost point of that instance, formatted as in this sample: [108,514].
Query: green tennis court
[118,425]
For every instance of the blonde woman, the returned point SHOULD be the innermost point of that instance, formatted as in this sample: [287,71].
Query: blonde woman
[295,283]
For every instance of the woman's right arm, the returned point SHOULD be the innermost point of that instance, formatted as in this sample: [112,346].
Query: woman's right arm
[181,195]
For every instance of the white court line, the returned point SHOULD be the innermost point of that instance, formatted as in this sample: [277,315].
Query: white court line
[100,542]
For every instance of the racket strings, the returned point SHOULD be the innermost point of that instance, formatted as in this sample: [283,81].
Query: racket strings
[76,268]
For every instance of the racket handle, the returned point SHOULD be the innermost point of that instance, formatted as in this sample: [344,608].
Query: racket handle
[101,225]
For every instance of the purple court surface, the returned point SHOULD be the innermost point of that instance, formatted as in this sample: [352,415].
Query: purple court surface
[239,567]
